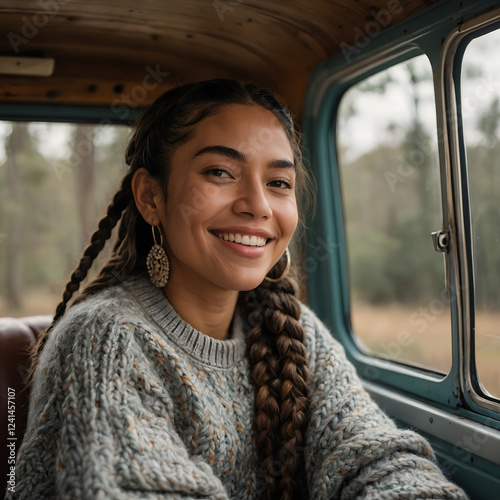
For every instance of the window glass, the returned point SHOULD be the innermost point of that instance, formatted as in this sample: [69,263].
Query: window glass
[388,161]
[481,124]
[55,183]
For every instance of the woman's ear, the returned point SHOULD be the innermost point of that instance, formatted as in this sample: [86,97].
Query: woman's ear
[148,196]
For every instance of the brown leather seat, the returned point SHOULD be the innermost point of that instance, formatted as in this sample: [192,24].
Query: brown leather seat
[16,337]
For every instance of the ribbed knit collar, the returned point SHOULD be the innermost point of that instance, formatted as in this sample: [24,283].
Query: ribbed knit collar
[208,350]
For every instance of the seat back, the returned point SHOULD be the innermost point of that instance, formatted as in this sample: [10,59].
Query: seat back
[17,335]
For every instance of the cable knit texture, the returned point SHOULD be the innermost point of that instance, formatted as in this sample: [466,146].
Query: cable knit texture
[130,402]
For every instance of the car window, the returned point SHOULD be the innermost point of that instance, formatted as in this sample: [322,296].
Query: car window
[55,182]
[480,113]
[388,162]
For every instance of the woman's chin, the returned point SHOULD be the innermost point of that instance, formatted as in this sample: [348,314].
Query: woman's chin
[243,284]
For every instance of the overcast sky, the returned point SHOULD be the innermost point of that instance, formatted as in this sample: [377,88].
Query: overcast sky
[375,112]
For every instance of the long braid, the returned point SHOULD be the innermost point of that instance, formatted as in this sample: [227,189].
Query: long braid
[265,374]
[294,376]
[122,260]
[280,373]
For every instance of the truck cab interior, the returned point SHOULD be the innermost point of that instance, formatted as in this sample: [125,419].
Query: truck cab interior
[349,71]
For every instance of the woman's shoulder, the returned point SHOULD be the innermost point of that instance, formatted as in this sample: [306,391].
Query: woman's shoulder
[313,326]
[97,314]
[90,334]
[318,338]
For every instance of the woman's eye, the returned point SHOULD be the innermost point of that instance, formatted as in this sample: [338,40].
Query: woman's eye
[217,172]
[281,183]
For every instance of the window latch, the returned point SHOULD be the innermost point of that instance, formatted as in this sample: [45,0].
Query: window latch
[441,240]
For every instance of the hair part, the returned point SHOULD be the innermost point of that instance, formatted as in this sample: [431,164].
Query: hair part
[275,341]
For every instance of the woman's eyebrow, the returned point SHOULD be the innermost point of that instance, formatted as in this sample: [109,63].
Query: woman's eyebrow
[281,164]
[234,154]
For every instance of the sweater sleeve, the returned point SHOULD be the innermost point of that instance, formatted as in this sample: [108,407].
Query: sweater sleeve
[354,451]
[106,428]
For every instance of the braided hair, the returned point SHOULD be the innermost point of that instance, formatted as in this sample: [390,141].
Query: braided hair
[275,341]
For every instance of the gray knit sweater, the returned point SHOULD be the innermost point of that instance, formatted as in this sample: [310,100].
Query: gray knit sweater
[131,402]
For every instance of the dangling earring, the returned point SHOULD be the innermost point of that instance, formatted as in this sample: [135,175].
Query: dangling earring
[285,272]
[157,262]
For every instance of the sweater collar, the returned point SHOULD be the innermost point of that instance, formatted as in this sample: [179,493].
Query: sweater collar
[208,350]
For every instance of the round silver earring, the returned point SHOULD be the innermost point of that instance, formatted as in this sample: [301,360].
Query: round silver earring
[285,271]
[157,262]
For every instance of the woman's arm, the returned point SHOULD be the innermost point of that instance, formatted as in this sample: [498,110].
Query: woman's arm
[106,430]
[353,449]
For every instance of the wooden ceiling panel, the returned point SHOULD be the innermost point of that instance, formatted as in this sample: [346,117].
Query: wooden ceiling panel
[103,49]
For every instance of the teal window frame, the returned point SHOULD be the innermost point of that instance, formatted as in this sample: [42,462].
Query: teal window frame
[62,113]
[476,398]
[328,286]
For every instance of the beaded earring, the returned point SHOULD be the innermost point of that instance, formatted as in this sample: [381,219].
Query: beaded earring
[157,262]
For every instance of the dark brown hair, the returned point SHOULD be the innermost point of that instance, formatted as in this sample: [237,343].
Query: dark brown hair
[275,341]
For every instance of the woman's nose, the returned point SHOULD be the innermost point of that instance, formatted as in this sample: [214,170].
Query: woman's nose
[252,200]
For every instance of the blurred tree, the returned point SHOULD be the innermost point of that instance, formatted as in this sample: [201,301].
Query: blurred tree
[392,199]
[484,180]
[54,183]
[419,276]
[14,194]
[83,153]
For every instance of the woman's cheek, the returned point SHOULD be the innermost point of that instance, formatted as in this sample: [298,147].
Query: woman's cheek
[288,215]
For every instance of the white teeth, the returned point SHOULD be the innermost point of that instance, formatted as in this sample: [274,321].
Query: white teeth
[252,241]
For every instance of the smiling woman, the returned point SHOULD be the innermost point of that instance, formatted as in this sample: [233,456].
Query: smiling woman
[246,193]
[208,378]
[220,185]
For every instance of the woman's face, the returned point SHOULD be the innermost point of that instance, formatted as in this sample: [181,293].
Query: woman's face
[230,209]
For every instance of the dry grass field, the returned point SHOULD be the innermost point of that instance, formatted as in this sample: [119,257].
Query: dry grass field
[35,302]
[421,336]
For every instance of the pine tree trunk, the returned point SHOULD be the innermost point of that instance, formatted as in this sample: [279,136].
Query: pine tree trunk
[85,174]
[13,285]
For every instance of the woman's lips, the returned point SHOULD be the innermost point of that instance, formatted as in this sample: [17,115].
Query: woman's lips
[244,239]
[246,250]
